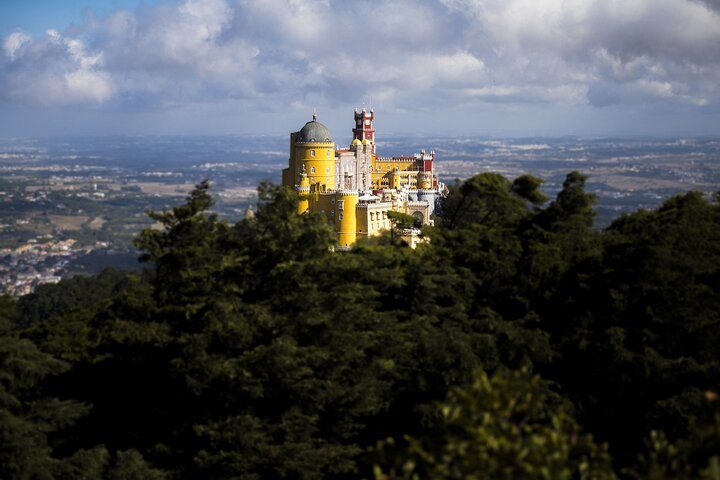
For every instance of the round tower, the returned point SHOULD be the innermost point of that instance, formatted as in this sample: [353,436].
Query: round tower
[346,220]
[395,179]
[314,151]
[429,196]
[425,180]
[303,190]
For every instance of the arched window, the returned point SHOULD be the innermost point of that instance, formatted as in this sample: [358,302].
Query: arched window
[312,169]
[312,153]
[327,153]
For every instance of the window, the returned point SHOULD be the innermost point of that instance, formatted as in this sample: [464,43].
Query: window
[340,216]
[312,169]
[312,153]
[341,205]
[332,200]
[332,212]
[327,170]
[372,216]
[327,153]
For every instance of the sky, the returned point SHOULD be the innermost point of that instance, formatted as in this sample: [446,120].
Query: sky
[427,67]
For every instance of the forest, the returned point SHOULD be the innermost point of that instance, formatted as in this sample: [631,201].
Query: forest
[516,342]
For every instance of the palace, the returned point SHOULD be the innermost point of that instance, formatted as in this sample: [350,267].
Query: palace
[354,187]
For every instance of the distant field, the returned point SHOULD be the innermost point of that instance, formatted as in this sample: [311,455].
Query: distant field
[63,187]
[634,183]
[165,189]
[96,223]
[68,222]
[238,192]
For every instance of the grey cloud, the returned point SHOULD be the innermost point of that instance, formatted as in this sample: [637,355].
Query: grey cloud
[276,53]
[713,4]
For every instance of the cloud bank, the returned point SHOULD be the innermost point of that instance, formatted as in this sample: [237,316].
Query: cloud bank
[273,54]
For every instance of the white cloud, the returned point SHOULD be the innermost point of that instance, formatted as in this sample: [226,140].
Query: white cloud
[661,44]
[14,42]
[54,70]
[276,53]
[88,86]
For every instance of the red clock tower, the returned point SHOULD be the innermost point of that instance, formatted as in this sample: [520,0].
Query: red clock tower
[364,127]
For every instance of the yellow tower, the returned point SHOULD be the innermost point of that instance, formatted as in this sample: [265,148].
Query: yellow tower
[395,179]
[303,190]
[346,220]
[314,152]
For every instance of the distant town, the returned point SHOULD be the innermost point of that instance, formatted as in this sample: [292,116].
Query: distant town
[33,264]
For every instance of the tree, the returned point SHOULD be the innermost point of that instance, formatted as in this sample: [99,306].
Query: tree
[401,220]
[481,233]
[181,253]
[696,456]
[27,416]
[504,426]
[252,350]
[638,347]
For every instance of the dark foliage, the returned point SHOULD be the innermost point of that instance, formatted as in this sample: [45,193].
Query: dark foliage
[252,351]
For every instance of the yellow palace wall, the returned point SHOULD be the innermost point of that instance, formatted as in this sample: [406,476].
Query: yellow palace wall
[319,161]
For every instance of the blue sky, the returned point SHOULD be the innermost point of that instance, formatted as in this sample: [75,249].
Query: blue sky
[36,16]
[478,67]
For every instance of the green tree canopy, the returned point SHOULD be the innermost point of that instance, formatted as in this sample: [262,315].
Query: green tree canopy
[504,426]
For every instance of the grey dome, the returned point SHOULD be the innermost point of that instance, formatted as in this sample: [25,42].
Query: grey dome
[314,131]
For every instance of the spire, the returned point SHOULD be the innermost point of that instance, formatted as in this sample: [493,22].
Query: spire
[314,115]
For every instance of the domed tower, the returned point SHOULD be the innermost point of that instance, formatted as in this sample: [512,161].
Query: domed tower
[313,152]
